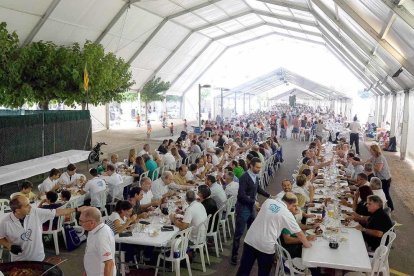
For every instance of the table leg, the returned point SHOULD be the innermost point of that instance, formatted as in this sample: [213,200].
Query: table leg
[163,265]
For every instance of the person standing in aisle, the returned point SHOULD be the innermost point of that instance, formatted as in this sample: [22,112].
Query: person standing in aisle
[246,203]
[99,256]
[355,128]
[149,129]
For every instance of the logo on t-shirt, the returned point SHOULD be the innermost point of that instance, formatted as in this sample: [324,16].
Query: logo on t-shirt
[107,254]
[274,208]
[26,235]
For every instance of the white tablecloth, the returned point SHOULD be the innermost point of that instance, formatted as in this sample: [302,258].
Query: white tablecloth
[29,168]
[351,255]
[143,237]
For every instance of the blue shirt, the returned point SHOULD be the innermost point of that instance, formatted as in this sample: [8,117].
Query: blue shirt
[252,175]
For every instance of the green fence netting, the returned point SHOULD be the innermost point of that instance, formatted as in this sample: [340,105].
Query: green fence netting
[29,134]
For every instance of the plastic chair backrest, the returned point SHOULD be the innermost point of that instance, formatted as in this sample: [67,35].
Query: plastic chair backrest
[180,242]
[216,217]
[284,255]
[60,221]
[155,174]
[380,256]
[202,231]
[4,205]
[102,199]
[388,238]
[229,204]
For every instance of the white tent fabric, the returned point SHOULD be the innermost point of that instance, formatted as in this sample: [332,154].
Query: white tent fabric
[178,39]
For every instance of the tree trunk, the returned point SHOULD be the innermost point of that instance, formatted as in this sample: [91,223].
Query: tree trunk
[83,106]
[44,105]
[146,112]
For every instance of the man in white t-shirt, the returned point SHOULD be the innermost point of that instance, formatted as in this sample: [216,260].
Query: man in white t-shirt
[162,186]
[145,150]
[376,187]
[21,230]
[50,183]
[217,191]
[94,187]
[355,128]
[147,198]
[114,181]
[194,216]
[232,187]
[99,259]
[70,177]
[261,238]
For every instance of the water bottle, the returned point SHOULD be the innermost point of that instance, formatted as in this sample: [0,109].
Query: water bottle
[323,213]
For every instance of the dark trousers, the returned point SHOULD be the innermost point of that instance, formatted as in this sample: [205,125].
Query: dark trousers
[250,255]
[354,138]
[244,216]
[386,185]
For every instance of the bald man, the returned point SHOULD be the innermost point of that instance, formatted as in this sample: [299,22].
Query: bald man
[99,256]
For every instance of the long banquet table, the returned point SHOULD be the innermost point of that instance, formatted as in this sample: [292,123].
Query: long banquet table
[351,254]
[29,168]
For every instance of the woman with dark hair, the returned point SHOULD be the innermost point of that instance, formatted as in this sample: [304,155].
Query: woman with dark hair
[119,221]
[361,207]
[139,168]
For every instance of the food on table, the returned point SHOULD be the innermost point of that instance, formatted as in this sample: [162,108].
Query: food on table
[318,230]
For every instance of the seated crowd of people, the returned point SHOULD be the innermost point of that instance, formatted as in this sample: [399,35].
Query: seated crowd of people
[225,160]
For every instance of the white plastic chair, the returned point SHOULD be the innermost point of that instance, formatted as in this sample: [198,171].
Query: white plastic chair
[55,231]
[386,240]
[215,233]
[4,205]
[284,260]
[142,175]
[155,174]
[201,242]
[302,135]
[378,263]
[102,203]
[179,243]
[231,212]
[225,219]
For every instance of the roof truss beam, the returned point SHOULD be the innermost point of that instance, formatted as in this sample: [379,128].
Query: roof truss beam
[401,11]
[235,45]
[286,5]
[41,22]
[351,35]
[292,19]
[350,57]
[371,31]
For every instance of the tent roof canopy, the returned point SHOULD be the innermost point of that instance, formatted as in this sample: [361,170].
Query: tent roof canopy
[177,39]
[280,80]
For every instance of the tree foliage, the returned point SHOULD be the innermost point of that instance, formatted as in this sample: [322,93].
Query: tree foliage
[43,71]
[173,98]
[153,91]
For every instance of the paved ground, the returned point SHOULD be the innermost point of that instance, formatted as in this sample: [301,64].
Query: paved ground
[120,141]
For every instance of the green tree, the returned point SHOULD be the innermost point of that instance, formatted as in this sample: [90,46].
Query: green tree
[153,91]
[9,71]
[42,72]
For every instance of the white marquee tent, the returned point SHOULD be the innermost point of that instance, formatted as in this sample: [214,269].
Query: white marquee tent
[179,40]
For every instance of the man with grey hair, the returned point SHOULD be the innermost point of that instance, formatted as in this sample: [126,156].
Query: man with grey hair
[162,186]
[373,227]
[194,216]
[231,186]
[376,187]
[369,170]
[99,256]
